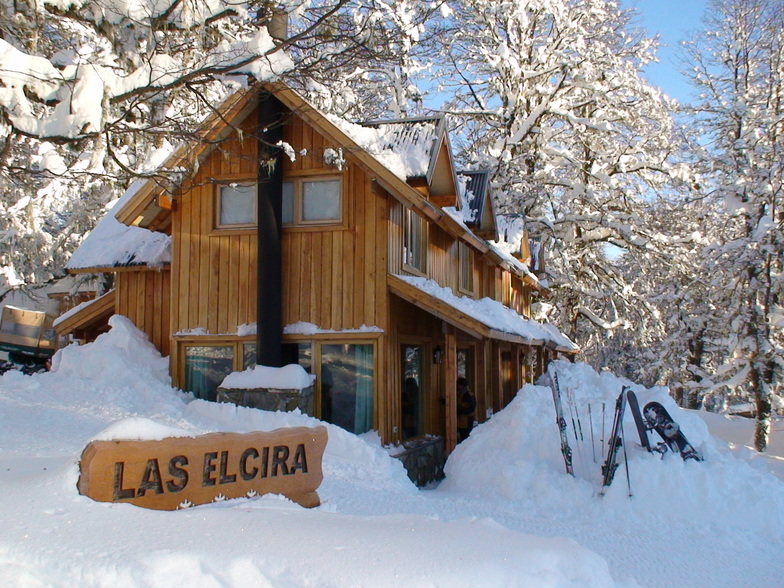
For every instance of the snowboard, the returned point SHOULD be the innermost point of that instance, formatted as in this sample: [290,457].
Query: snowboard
[615,441]
[566,451]
[639,420]
[660,421]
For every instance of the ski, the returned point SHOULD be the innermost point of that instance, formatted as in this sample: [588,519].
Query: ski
[614,443]
[642,427]
[660,421]
[561,422]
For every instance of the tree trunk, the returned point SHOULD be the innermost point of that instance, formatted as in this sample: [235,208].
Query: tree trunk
[763,406]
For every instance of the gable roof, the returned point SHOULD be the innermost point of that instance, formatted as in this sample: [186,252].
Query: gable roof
[150,205]
[479,213]
[423,144]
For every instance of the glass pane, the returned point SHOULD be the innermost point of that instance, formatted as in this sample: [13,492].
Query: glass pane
[347,386]
[411,400]
[321,200]
[205,368]
[238,205]
[288,203]
[248,355]
[299,353]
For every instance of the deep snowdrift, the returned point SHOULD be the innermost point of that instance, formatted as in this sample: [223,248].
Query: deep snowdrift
[507,515]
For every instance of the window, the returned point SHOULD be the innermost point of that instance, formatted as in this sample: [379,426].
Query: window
[236,206]
[414,240]
[345,383]
[205,368]
[465,257]
[207,364]
[411,395]
[312,201]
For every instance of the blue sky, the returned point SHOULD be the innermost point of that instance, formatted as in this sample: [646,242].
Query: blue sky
[673,21]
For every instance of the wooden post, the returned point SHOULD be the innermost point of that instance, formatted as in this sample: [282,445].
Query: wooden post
[450,391]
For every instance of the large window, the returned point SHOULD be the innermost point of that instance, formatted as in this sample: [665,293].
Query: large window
[465,268]
[207,364]
[312,201]
[414,240]
[347,385]
[411,405]
[236,206]
[345,380]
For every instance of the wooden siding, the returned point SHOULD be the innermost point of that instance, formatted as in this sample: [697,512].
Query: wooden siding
[143,297]
[333,276]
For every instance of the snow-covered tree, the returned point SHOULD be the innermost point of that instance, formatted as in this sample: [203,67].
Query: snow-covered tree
[92,92]
[554,103]
[738,70]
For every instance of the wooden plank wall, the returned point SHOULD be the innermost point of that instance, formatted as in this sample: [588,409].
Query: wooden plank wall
[214,272]
[339,280]
[143,297]
[332,276]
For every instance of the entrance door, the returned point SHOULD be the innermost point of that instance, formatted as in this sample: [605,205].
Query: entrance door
[412,417]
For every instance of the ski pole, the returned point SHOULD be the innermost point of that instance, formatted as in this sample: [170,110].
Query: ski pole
[603,419]
[590,423]
[626,462]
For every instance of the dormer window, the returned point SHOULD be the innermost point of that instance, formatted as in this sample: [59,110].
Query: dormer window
[414,241]
[236,206]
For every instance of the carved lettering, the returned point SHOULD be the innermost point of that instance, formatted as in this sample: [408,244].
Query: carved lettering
[121,493]
[264,461]
[178,473]
[209,468]
[250,452]
[225,478]
[300,460]
[169,473]
[151,479]
[280,453]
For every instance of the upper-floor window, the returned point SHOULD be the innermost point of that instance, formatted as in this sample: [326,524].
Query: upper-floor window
[414,240]
[465,272]
[312,201]
[236,206]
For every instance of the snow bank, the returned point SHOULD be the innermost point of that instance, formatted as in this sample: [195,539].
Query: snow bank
[506,516]
[515,456]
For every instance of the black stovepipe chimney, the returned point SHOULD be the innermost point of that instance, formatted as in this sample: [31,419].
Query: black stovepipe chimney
[269,284]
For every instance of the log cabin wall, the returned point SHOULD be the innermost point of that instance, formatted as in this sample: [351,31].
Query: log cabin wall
[143,297]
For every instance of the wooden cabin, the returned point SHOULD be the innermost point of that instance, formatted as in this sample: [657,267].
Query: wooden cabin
[385,284]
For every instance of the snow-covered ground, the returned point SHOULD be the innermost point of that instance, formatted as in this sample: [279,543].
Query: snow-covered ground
[507,514]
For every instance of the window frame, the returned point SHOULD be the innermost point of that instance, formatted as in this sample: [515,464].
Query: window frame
[298,221]
[466,280]
[317,340]
[217,200]
[236,342]
[410,242]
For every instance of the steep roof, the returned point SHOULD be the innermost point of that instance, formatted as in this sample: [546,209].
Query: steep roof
[418,141]
[149,206]
[479,212]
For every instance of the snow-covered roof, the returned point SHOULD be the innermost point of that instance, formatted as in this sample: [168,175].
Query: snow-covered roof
[414,140]
[113,244]
[494,315]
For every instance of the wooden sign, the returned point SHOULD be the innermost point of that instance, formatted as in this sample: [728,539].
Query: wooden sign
[178,472]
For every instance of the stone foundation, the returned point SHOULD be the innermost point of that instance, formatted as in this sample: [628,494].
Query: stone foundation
[272,399]
[424,459]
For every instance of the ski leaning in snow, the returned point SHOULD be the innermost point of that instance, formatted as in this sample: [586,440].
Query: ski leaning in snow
[561,422]
[642,426]
[615,441]
[660,420]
